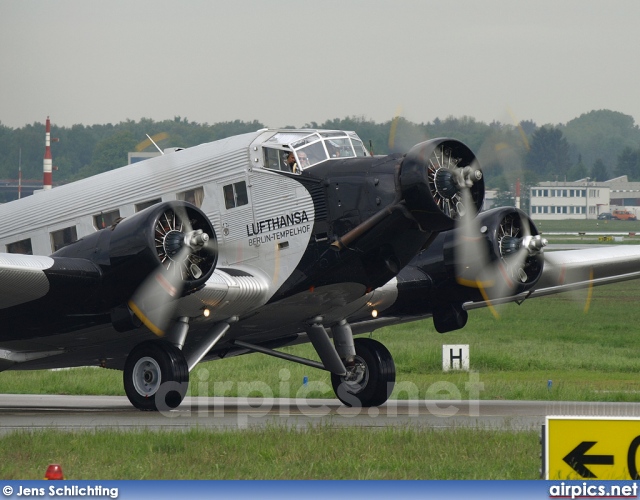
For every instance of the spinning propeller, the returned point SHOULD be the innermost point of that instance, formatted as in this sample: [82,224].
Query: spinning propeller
[186,255]
[499,260]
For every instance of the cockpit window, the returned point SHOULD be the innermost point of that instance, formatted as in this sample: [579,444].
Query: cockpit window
[309,148]
[340,148]
[275,159]
[359,147]
[311,154]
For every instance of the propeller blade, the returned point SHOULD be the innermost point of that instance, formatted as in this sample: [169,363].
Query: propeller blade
[509,270]
[471,250]
[154,301]
[500,276]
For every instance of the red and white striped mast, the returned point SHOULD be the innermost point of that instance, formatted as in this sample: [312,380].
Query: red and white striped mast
[48,163]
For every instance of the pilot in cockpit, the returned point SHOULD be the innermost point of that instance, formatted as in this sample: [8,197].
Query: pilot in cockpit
[290,162]
[333,149]
[293,166]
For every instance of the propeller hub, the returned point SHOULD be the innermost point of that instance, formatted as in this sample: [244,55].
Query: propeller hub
[196,239]
[175,240]
[450,182]
[534,244]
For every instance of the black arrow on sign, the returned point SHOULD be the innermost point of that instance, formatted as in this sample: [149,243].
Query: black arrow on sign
[576,459]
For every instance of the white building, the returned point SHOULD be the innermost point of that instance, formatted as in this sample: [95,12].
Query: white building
[489,199]
[624,194]
[569,200]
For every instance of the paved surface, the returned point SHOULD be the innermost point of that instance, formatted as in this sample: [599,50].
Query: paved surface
[32,412]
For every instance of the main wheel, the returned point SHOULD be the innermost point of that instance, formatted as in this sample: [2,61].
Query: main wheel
[156,376]
[370,379]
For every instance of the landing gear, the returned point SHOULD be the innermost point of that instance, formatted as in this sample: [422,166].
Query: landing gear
[156,376]
[370,377]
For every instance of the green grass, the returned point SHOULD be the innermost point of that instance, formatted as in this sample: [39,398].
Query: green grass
[275,453]
[588,225]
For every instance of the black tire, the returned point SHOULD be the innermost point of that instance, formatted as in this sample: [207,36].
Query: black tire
[156,376]
[372,387]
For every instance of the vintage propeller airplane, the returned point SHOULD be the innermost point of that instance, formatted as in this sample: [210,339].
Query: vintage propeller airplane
[265,240]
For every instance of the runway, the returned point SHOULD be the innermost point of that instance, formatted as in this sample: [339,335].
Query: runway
[76,413]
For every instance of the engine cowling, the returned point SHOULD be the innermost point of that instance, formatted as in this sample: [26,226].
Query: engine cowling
[432,177]
[432,283]
[513,246]
[130,250]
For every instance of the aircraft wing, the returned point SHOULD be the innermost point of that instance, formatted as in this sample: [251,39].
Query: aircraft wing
[55,312]
[23,278]
[500,258]
[37,290]
[566,270]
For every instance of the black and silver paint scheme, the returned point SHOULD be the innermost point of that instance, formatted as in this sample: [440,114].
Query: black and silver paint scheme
[293,236]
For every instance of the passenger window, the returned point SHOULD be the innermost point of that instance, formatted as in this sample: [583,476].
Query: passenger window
[146,204]
[105,219]
[22,246]
[193,196]
[63,237]
[235,195]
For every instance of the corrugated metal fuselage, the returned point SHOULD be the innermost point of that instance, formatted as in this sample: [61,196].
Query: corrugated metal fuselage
[281,239]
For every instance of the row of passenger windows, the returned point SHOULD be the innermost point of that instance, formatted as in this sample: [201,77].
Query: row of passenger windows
[67,235]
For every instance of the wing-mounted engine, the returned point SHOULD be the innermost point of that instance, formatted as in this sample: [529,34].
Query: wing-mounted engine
[441,181]
[157,237]
[513,260]
[491,257]
[174,236]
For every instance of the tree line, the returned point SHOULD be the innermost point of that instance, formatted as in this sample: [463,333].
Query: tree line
[599,144]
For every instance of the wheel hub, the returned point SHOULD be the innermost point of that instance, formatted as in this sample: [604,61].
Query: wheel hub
[357,373]
[147,376]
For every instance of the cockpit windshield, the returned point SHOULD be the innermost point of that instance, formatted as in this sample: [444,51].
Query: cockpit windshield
[310,148]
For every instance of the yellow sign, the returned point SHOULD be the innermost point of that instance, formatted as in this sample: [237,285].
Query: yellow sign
[592,448]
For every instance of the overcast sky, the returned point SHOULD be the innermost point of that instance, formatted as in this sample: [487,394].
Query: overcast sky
[290,62]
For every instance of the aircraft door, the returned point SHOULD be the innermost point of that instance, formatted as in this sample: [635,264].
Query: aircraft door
[236,215]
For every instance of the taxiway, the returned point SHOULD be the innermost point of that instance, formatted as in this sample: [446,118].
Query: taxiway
[71,413]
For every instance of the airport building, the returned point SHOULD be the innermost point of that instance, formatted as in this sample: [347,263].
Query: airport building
[583,199]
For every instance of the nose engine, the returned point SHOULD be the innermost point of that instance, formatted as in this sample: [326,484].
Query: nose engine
[441,182]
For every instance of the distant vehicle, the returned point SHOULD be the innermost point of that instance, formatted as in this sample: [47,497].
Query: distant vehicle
[623,215]
[605,216]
